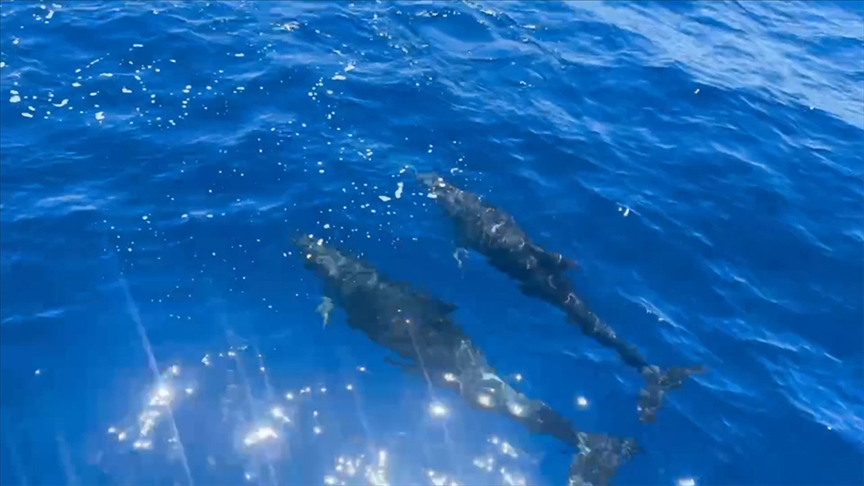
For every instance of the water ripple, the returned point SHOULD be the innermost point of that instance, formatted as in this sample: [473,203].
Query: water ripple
[700,160]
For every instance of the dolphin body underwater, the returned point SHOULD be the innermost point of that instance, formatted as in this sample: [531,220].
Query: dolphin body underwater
[542,275]
[419,328]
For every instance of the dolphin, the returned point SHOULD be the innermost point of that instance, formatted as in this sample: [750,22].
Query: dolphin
[419,329]
[542,274]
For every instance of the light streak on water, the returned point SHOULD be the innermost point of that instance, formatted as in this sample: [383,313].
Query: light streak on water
[264,430]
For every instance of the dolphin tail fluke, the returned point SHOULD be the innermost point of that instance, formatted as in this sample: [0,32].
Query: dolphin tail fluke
[658,383]
[599,458]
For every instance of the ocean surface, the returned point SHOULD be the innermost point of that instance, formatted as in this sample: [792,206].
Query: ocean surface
[701,161]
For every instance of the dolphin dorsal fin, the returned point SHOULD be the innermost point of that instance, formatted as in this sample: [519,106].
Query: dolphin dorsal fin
[553,260]
[434,303]
[441,306]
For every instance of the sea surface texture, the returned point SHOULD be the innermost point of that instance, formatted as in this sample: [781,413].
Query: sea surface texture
[702,162]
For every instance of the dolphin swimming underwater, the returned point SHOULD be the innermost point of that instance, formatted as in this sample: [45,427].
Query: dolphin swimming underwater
[542,274]
[419,328]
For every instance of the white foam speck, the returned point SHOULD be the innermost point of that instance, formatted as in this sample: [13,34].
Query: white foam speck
[106,75]
[100,115]
[239,54]
[326,225]
[61,104]
[14,99]
[290,26]
[137,45]
[27,115]
[432,195]
[384,198]
[126,90]
[339,77]
[76,84]
[349,67]
[399,187]
[2,64]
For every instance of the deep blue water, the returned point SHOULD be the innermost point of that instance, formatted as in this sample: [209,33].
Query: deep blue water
[702,161]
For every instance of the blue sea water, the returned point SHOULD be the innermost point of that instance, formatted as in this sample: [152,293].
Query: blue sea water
[702,161]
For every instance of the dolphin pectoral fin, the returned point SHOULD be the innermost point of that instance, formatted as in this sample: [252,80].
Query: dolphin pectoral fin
[658,384]
[461,244]
[458,254]
[599,458]
[324,308]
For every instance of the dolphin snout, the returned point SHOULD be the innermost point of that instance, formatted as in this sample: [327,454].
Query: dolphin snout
[307,243]
[302,241]
[429,179]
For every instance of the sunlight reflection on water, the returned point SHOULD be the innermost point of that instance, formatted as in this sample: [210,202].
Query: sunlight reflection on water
[260,443]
